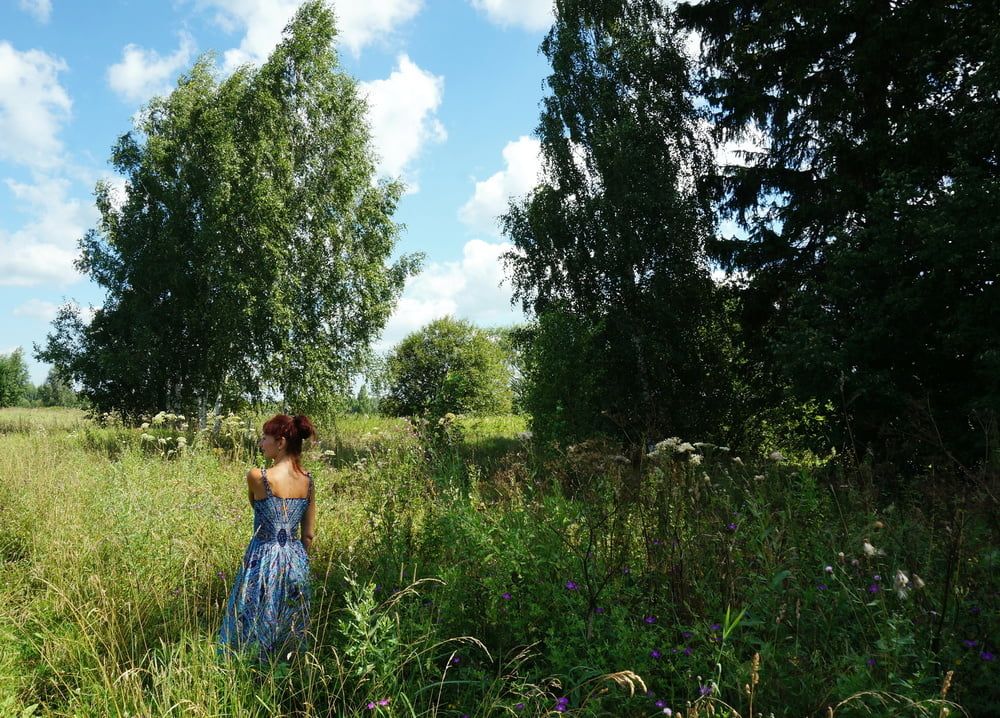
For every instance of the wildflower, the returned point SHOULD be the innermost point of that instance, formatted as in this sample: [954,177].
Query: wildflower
[519,706]
[970,643]
[918,582]
[878,525]
[571,585]
[455,660]
[715,627]
[505,595]
[145,425]
[840,556]
[650,619]
[876,577]
[987,656]
[975,610]
[705,690]
[731,526]
[871,662]
[384,702]
[737,460]
[655,654]
[599,609]
[626,570]
[695,459]
[562,704]
[828,569]
[873,588]
[684,448]
[660,704]
[758,477]
[821,587]
[686,635]
[901,584]
[371,705]
[776,456]
[687,650]
[667,712]
[871,550]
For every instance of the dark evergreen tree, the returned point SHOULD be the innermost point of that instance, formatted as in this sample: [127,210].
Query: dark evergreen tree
[609,247]
[873,215]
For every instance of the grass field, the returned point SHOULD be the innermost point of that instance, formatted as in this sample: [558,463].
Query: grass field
[456,575]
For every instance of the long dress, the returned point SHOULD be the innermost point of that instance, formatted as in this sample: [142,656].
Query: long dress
[267,614]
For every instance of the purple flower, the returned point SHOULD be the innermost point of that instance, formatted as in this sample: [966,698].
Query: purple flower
[455,660]
[705,690]
[731,526]
[626,570]
[873,588]
[505,595]
[655,654]
[687,650]
[519,706]
[599,609]
[650,694]
[650,619]
[657,542]
[987,656]
[876,577]
[969,643]
[870,661]
[975,610]
[371,705]
[384,702]
[562,704]
[571,585]
[828,569]
[715,627]
[686,635]
[821,587]
[222,575]
[660,704]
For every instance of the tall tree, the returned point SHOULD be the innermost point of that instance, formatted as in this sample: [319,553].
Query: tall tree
[873,245]
[250,254]
[609,246]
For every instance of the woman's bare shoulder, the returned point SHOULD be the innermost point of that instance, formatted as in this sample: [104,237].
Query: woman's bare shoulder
[254,475]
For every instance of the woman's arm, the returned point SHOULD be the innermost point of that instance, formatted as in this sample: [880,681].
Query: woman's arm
[308,526]
[253,482]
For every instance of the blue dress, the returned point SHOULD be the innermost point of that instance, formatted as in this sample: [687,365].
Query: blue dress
[267,613]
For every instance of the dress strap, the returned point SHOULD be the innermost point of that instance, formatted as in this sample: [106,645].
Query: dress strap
[309,474]
[267,486]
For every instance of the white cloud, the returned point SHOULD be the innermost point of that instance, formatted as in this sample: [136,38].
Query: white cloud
[473,288]
[36,309]
[42,250]
[142,73]
[522,172]
[528,14]
[359,22]
[402,112]
[33,107]
[41,10]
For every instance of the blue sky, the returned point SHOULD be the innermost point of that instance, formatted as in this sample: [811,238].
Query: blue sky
[454,89]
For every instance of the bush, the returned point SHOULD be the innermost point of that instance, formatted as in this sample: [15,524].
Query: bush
[448,366]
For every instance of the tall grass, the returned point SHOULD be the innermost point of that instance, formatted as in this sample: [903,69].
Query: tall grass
[455,575]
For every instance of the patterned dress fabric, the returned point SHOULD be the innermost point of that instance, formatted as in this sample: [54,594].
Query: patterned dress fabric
[267,613]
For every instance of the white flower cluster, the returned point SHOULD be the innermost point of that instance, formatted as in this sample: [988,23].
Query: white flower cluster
[673,447]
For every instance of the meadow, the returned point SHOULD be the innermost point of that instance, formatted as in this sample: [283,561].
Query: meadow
[458,573]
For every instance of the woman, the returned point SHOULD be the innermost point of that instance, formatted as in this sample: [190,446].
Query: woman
[268,609]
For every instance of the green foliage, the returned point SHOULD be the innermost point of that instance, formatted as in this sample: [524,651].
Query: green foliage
[56,391]
[443,597]
[15,383]
[249,256]
[612,240]
[448,366]
[871,211]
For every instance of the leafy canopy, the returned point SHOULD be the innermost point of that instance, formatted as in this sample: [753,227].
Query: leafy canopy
[249,257]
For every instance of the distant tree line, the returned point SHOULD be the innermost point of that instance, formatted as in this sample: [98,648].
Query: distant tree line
[16,388]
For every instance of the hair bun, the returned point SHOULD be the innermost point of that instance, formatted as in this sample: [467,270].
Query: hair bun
[303,426]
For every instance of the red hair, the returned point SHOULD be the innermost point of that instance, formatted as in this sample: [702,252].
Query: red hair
[294,430]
